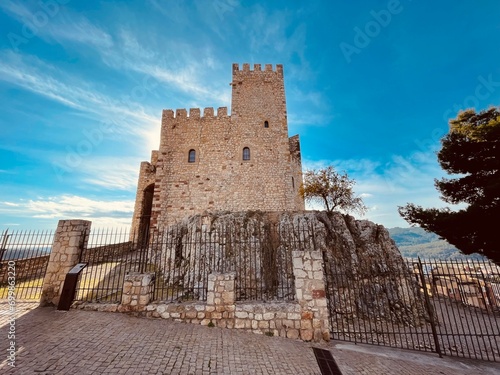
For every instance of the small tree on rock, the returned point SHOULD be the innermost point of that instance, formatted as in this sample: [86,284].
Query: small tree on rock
[331,189]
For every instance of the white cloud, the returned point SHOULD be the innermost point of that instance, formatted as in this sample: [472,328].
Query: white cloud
[17,9]
[11,204]
[79,30]
[57,24]
[111,212]
[111,173]
[68,205]
[301,120]
[32,74]
[179,65]
[187,80]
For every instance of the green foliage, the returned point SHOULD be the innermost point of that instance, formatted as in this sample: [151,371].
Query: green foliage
[331,189]
[470,150]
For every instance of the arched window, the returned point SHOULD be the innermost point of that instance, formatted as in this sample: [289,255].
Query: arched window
[266,124]
[192,156]
[246,153]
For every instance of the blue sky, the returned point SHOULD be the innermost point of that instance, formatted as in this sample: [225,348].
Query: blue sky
[370,87]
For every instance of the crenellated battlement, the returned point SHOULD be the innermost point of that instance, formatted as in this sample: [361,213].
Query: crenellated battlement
[194,113]
[258,68]
[219,159]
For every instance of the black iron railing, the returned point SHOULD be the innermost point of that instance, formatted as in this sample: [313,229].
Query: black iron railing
[109,255]
[24,256]
[185,257]
[447,307]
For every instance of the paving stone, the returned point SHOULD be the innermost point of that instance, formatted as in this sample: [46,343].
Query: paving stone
[89,342]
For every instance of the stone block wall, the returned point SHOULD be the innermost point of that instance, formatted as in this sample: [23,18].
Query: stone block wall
[311,295]
[70,240]
[137,291]
[305,319]
[26,268]
[219,178]
[142,208]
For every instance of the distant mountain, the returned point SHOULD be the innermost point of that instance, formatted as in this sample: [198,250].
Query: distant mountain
[416,242]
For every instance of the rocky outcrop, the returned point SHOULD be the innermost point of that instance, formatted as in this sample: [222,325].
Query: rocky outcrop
[366,276]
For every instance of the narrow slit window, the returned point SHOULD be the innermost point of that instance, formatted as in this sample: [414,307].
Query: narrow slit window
[246,153]
[293,183]
[192,156]
[266,124]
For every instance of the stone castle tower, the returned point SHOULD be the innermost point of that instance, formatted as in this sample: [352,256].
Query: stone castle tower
[220,162]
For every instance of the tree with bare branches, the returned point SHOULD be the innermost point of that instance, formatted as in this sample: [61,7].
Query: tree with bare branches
[331,189]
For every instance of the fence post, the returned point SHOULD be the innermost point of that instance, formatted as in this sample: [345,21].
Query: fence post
[69,241]
[429,308]
[137,291]
[310,292]
[3,247]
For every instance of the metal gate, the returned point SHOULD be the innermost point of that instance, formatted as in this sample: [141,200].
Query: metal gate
[110,254]
[448,307]
[24,256]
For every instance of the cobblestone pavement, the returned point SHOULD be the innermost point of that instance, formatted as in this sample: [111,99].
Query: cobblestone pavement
[83,342]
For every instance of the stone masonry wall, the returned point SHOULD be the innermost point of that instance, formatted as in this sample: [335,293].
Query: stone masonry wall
[137,291]
[69,240]
[311,295]
[305,319]
[296,167]
[219,178]
[26,268]
[147,177]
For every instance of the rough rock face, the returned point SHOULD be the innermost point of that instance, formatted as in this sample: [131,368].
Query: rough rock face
[366,276]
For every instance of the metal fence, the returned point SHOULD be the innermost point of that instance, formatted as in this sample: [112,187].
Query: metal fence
[109,255]
[183,259]
[448,307]
[24,256]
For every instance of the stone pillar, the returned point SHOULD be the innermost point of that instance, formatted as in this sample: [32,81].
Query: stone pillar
[138,291]
[311,295]
[69,241]
[220,299]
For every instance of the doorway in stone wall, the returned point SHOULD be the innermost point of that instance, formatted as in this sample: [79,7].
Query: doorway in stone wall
[147,205]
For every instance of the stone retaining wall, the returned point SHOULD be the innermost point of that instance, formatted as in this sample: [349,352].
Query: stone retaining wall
[107,252]
[305,319]
[27,268]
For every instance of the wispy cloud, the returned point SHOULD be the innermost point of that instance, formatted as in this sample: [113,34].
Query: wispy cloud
[188,70]
[57,24]
[111,173]
[70,207]
[179,65]
[299,122]
[80,31]
[34,75]
[11,204]
[175,11]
